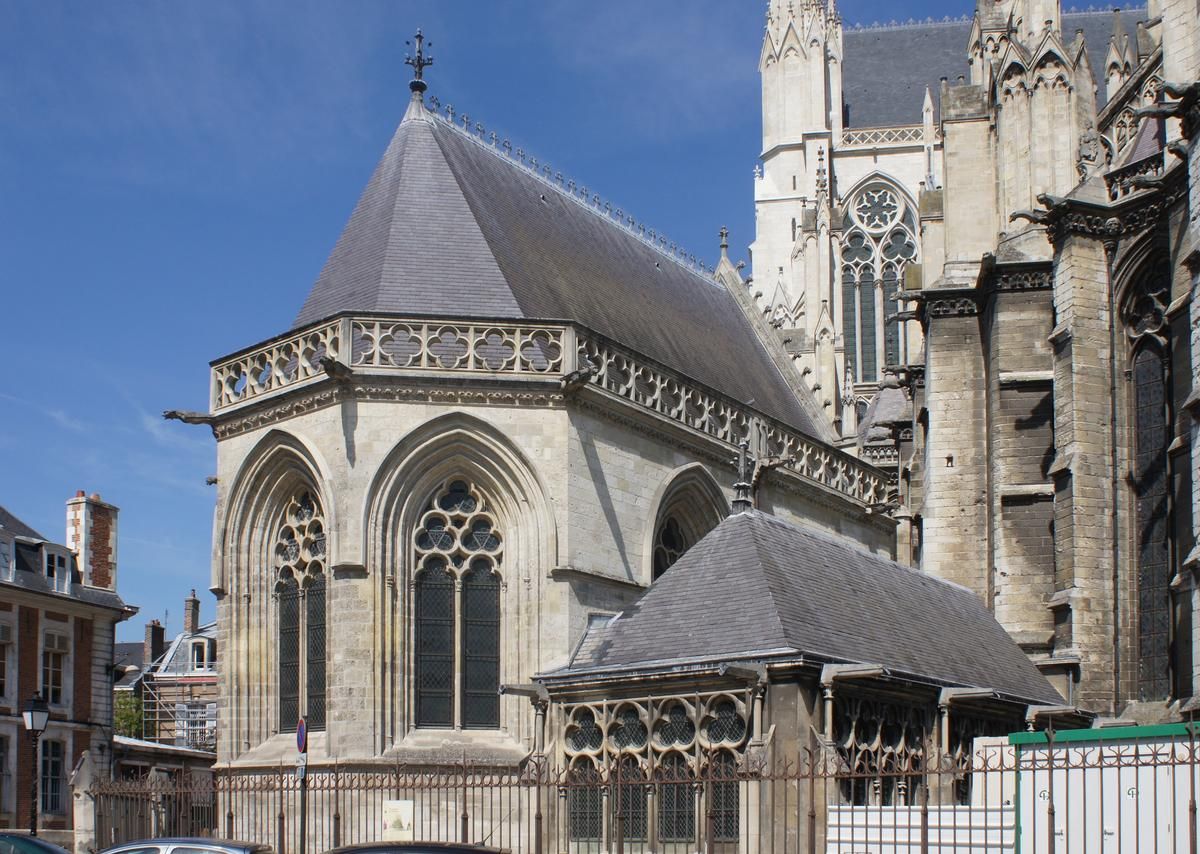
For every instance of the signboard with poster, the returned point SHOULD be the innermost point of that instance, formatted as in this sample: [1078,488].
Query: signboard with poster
[397,821]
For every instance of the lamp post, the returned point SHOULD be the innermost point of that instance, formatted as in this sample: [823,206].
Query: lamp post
[36,713]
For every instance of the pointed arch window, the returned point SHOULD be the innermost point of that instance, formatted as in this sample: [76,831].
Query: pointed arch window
[456,611]
[878,242]
[300,598]
[1150,404]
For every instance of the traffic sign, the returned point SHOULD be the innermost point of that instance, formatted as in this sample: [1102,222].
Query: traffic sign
[302,736]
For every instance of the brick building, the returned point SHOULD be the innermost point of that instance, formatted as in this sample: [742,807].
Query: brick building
[175,684]
[58,613]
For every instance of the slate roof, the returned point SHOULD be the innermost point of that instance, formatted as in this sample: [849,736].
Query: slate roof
[449,225]
[29,576]
[13,525]
[129,654]
[757,586]
[886,69]
[176,661]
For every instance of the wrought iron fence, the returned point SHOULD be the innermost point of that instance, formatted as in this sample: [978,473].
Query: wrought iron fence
[1040,797]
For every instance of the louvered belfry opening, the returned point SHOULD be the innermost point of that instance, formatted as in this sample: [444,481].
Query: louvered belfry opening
[456,606]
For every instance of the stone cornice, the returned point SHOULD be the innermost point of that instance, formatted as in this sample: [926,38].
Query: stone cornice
[1112,222]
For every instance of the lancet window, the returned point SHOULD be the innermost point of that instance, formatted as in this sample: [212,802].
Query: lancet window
[878,242]
[1150,405]
[684,751]
[456,611]
[300,598]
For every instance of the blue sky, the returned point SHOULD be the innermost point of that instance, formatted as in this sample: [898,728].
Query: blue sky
[173,175]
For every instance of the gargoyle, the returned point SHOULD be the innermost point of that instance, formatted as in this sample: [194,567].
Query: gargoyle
[578,378]
[188,417]
[1039,217]
[335,369]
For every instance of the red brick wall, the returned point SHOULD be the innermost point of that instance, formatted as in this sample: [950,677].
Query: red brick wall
[82,689]
[99,537]
[28,677]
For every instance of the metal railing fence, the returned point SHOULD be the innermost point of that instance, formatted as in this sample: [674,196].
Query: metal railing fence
[1041,798]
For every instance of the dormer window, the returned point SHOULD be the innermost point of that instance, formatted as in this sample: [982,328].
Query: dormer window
[58,571]
[6,559]
[200,657]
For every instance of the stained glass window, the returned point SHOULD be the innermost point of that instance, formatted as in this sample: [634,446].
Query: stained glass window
[631,787]
[457,611]
[725,797]
[676,800]
[669,544]
[878,241]
[289,654]
[300,596]
[584,804]
[1154,564]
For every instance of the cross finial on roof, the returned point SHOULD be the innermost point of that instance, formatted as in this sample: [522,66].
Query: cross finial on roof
[419,63]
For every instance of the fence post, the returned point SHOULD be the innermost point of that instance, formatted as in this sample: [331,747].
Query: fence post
[337,806]
[1192,782]
[812,801]
[925,797]
[228,802]
[280,845]
[537,815]
[710,816]
[1050,812]
[465,818]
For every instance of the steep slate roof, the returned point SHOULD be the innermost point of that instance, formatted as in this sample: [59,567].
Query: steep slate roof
[448,225]
[130,654]
[15,526]
[886,69]
[801,591]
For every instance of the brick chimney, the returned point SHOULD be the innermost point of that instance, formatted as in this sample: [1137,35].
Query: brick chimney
[92,535]
[155,644]
[191,614]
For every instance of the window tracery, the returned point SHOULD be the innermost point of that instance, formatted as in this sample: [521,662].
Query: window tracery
[456,603]
[300,594]
[878,742]
[682,748]
[878,242]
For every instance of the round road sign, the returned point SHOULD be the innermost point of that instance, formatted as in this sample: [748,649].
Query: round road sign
[302,736]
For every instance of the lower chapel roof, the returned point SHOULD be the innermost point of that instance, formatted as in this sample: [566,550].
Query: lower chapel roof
[887,69]
[759,587]
[449,225]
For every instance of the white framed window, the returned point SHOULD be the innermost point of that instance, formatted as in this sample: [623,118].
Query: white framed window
[7,554]
[7,778]
[56,649]
[58,571]
[54,783]
[200,655]
[7,671]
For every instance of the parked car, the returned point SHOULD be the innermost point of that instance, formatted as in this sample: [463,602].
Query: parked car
[415,848]
[187,845]
[20,843]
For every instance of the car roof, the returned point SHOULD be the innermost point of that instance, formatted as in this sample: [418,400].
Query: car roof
[197,841]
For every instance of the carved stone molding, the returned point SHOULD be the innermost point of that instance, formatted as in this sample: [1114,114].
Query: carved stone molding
[959,305]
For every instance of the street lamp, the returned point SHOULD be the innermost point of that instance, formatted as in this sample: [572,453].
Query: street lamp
[36,713]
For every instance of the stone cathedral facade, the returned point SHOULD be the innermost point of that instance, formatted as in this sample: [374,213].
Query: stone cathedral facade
[501,425]
[979,240]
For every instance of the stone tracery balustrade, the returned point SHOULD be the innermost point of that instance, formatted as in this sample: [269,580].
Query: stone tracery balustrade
[283,362]
[1121,182]
[376,345]
[867,137]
